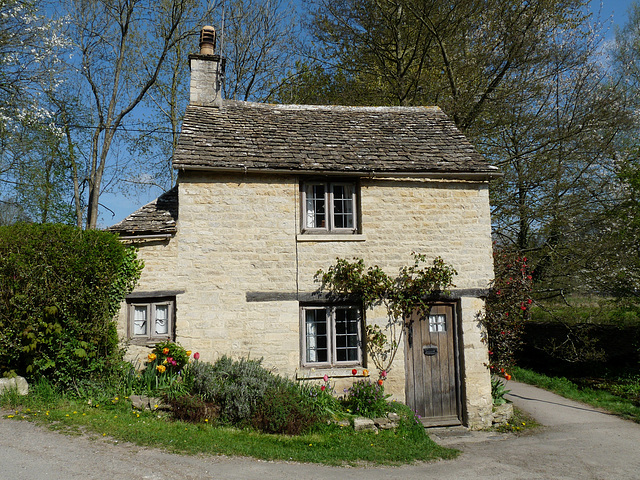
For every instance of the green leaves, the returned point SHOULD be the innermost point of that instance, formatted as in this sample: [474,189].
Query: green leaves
[413,288]
[60,288]
[506,308]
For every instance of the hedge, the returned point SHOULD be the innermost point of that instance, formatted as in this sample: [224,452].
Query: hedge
[60,288]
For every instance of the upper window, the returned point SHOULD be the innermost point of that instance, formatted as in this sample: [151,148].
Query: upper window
[151,319]
[332,336]
[329,207]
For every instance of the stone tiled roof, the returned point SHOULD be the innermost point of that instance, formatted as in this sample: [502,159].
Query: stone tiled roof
[403,140]
[157,217]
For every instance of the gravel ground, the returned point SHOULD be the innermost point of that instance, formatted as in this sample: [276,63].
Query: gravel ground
[576,442]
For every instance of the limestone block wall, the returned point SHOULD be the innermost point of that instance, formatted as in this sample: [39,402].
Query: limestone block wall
[242,263]
[160,264]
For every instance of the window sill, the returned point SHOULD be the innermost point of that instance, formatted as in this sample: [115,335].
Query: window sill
[148,342]
[311,237]
[312,373]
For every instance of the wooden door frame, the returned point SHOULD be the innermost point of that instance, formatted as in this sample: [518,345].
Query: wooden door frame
[457,363]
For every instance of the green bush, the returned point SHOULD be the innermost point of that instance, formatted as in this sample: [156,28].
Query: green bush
[60,288]
[192,409]
[366,398]
[286,409]
[507,307]
[236,386]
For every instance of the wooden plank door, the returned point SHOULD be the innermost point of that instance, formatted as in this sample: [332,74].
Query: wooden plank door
[430,363]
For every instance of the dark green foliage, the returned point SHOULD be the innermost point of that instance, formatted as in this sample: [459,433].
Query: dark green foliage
[285,409]
[506,309]
[579,349]
[192,409]
[60,288]
[367,399]
[236,386]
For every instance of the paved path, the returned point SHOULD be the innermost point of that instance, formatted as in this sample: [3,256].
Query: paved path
[577,442]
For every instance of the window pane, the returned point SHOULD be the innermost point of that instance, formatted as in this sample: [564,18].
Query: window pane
[437,323]
[315,208]
[140,320]
[347,338]
[162,319]
[343,206]
[316,335]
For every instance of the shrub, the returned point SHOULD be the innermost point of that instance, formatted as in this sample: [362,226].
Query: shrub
[286,409]
[191,408]
[367,399]
[60,288]
[236,386]
[507,307]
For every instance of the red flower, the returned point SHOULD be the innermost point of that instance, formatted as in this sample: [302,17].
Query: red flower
[323,388]
[380,382]
[354,371]
[507,376]
[529,301]
[196,355]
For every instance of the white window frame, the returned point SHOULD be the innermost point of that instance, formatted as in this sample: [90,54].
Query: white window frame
[151,308]
[331,334]
[329,207]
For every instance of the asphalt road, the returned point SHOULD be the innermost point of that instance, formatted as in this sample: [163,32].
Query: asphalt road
[577,442]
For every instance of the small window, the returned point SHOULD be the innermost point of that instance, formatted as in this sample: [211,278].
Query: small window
[437,323]
[151,319]
[332,336]
[329,207]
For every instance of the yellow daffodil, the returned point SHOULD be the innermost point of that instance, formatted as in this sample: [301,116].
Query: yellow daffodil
[161,368]
[151,357]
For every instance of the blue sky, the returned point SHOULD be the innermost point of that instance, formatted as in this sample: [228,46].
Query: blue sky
[617,8]
[123,206]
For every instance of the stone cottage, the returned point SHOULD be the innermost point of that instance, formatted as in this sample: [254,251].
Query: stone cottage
[268,194]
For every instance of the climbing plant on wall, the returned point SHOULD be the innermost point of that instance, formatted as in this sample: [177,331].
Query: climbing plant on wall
[412,289]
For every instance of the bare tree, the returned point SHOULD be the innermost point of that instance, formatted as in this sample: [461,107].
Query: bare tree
[122,46]
[259,44]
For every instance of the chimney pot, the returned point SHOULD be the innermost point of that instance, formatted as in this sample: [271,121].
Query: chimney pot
[207,40]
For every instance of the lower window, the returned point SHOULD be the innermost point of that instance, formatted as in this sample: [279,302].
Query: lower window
[151,320]
[332,336]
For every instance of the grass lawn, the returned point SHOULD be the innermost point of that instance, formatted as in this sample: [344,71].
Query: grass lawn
[326,444]
[623,405]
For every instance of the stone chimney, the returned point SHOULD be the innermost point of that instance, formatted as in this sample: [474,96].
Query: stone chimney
[207,72]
